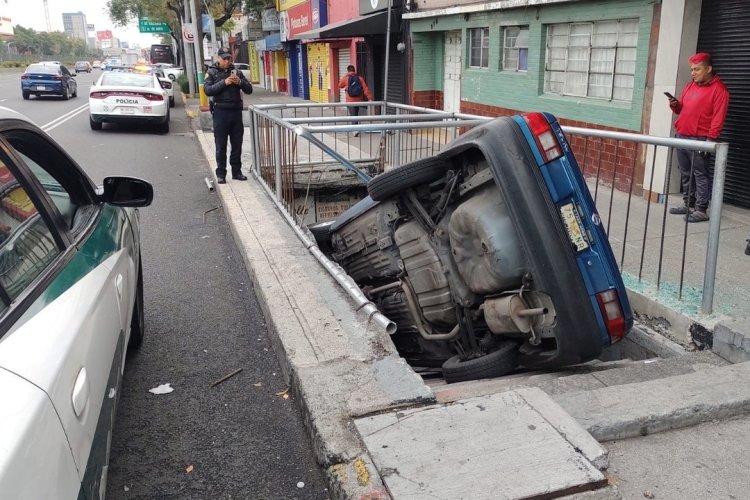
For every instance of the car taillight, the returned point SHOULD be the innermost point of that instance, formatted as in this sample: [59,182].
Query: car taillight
[99,95]
[544,136]
[614,320]
[57,77]
[25,77]
[153,97]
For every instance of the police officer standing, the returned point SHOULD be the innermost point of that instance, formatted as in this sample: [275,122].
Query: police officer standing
[224,83]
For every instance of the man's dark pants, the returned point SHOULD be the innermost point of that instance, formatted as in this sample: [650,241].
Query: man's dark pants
[696,188]
[228,124]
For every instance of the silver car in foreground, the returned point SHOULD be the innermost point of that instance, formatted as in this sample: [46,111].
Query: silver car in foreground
[71,303]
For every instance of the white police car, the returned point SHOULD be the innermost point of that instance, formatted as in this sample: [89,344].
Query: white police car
[71,302]
[123,96]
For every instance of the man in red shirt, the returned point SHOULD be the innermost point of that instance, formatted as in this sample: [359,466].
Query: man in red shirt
[702,108]
[356,90]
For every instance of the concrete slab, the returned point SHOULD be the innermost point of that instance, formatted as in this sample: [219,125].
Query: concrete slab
[493,447]
[732,340]
[639,409]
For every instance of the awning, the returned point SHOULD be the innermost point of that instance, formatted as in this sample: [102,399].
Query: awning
[374,24]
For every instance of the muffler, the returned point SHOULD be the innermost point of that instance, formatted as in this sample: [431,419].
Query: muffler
[511,314]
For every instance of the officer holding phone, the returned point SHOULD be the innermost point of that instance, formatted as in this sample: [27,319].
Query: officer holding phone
[224,84]
[701,110]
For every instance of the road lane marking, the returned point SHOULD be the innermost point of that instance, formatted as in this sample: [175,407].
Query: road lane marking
[62,119]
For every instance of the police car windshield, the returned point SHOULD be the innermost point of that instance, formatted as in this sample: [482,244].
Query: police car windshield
[128,79]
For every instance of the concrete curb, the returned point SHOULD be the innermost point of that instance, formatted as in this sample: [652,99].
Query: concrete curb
[639,409]
[732,340]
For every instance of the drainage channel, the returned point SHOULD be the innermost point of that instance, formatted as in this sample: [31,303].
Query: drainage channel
[643,355]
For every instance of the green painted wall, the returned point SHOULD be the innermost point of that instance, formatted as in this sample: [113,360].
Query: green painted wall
[524,90]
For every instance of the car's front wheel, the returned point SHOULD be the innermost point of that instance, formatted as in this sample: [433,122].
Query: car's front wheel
[95,125]
[399,179]
[497,363]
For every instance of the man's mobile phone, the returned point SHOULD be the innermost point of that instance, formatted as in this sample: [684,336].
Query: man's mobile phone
[670,96]
[234,72]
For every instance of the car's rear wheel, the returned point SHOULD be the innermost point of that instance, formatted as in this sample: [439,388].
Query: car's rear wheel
[95,125]
[499,362]
[75,92]
[171,102]
[164,127]
[66,93]
[137,321]
[399,179]
[26,95]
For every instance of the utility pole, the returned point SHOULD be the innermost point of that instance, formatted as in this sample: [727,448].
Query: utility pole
[189,62]
[197,49]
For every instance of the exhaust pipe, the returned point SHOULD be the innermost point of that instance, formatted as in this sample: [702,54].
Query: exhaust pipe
[209,184]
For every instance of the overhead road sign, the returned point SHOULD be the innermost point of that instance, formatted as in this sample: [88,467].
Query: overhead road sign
[145,25]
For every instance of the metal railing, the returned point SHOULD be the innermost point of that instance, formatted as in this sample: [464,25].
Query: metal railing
[296,145]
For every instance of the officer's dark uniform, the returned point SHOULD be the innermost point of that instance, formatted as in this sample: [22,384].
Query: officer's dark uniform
[227,117]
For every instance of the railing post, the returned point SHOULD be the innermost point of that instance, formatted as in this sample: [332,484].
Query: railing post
[277,159]
[255,138]
[714,226]
[397,145]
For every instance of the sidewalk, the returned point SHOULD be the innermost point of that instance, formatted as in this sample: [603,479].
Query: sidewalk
[362,404]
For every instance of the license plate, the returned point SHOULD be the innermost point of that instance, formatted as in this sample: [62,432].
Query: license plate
[572,222]
[41,87]
[127,111]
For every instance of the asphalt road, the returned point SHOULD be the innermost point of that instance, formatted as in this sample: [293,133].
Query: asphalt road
[243,438]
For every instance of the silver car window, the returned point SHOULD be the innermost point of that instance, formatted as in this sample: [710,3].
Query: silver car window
[27,246]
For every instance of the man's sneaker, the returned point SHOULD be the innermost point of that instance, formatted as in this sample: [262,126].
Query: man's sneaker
[239,177]
[681,210]
[221,180]
[697,216]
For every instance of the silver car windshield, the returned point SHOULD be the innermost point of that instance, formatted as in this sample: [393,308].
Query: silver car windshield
[128,79]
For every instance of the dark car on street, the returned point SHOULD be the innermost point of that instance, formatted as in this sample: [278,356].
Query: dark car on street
[41,79]
[488,256]
[82,67]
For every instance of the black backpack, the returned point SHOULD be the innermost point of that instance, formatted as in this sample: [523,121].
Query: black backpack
[354,88]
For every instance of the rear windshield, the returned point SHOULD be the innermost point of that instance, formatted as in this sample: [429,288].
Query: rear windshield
[129,79]
[81,63]
[49,69]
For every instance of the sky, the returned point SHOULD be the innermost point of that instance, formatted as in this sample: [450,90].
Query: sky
[30,14]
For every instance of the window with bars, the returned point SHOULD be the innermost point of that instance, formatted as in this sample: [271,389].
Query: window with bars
[515,48]
[593,59]
[479,47]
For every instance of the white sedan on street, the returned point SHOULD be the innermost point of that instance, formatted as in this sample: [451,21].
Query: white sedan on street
[71,303]
[129,97]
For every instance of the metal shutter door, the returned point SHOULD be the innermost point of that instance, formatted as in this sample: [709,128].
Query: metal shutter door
[724,34]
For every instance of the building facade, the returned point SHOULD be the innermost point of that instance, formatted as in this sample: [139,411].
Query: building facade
[74,24]
[593,63]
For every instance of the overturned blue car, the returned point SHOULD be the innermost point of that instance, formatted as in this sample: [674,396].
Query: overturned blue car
[489,256]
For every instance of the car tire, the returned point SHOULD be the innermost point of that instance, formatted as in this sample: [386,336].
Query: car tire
[26,95]
[171,77]
[95,125]
[171,102]
[164,127]
[499,362]
[399,179]
[137,321]
[75,92]
[66,94]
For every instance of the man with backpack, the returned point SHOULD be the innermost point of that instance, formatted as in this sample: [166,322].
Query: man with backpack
[356,90]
